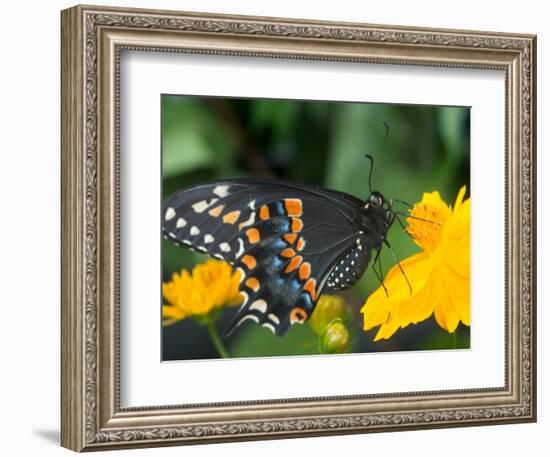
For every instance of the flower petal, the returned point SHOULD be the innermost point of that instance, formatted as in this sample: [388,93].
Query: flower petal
[421,306]
[445,314]
[171,314]
[399,308]
[458,289]
[386,331]
[460,197]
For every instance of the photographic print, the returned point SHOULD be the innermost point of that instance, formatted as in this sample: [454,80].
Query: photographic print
[300,227]
[312,217]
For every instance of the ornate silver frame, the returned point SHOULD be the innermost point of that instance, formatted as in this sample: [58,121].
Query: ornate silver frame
[93,39]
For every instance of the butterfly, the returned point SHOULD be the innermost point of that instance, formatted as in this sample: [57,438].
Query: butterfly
[289,241]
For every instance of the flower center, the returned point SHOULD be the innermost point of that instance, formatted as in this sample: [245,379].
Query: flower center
[429,218]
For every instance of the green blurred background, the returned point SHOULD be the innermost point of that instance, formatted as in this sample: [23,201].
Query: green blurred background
[316,142]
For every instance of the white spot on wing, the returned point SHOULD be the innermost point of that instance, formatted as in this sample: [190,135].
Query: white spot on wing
[194,230]
[218,256]
[181,223]
[249,316]
[269,326]
[221,191]
[245,299]
[259,305]
[208,238]
[199,207]
[170,213]
[252,205]
[241,249]
[225,247]
[249,221]
[274,318]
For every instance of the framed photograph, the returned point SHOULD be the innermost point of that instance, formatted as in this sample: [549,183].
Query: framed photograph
[282,228]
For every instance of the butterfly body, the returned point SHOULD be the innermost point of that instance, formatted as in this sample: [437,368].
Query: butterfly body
[289,241]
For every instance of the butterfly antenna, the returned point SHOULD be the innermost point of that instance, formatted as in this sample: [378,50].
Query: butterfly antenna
[368,156]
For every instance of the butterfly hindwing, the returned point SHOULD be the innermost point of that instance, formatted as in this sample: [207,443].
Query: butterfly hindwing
[284,238]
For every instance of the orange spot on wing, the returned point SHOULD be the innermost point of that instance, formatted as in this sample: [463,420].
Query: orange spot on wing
[300,245]
[249,261]
[253,235]
[293,206]
[290,238]
[310,288]
[216,211]
[253,283]
[305,271]
[231,218]
[288,252]
[264,213]
[297,224]
[298,315]
[293,264]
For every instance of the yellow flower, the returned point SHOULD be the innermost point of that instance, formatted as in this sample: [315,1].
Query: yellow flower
[212,286]
[439,275]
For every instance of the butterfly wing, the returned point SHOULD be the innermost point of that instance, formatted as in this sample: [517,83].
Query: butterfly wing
[284,238]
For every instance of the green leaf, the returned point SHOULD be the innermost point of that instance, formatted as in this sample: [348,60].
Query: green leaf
[192,137]
[255,341]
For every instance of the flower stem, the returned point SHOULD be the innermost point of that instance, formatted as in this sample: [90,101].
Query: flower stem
[453,340]
[216,340]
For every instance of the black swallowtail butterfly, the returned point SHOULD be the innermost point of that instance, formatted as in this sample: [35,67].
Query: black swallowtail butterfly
[290,241]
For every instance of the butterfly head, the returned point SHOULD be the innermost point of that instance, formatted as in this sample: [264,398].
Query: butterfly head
[378,207]
[376,200]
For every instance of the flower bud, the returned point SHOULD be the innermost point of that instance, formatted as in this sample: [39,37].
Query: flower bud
[328,308]
[336,339]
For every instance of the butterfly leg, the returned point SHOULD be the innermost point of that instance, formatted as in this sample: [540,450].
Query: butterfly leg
[400,222]
[400,213]
[396,260]
[378,274]
[410,205]
[396,214]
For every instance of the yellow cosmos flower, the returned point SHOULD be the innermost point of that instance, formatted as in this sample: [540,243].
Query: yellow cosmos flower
[439,275]
[211,286]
